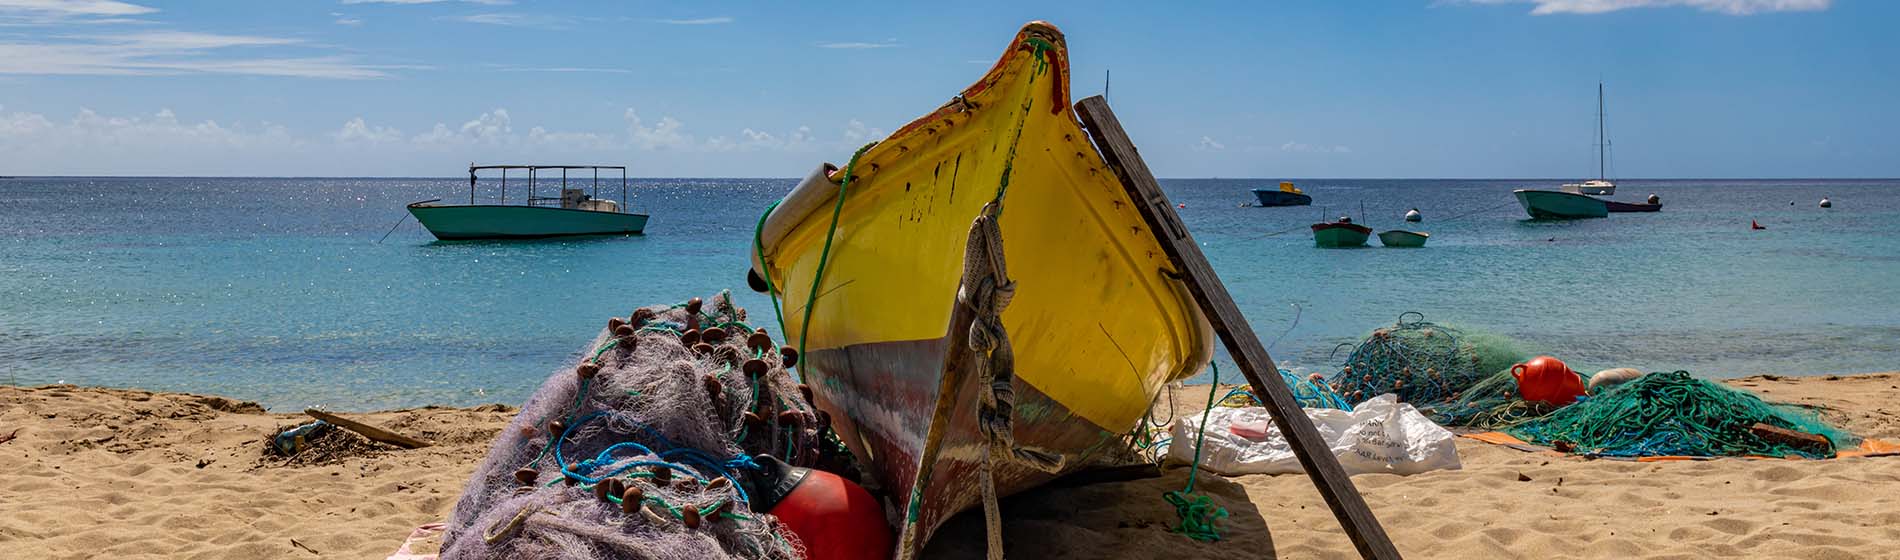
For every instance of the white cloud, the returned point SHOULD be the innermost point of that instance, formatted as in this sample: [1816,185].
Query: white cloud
[172,52]
[1730,7]
[514,20]
[163,143]
[698,21]
[60,12]
[1208,144]
[858,45]
[75,7]
[346,19]
[357,131]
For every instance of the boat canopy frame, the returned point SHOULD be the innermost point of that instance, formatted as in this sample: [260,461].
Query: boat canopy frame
[532,172]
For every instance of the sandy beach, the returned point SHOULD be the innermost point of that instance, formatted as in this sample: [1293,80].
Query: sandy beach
[134,474]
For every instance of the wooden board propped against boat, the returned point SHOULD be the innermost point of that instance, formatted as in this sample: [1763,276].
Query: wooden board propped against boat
[1315,456]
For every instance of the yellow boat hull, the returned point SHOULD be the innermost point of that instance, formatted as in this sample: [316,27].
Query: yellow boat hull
[1098,324]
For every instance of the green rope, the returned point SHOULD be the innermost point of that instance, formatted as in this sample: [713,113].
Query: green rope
[824,256]
[758,246]
[1199,515]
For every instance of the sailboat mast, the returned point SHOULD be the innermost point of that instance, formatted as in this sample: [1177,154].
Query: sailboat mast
[1602,140]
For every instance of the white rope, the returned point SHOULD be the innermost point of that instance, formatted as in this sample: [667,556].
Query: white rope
[987,289]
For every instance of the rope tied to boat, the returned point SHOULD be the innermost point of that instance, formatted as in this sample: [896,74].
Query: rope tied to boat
[987,290]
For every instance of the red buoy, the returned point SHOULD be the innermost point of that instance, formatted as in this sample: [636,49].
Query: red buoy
[1547,380]
[1755,225]
[835,519]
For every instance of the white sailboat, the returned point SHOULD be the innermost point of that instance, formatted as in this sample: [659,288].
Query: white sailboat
[1600,186]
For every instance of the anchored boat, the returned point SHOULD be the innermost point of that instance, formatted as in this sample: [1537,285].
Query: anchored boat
[1287,195]
[1340,233]
[574,212]
[1402,238]
[1557,205]
[869,259]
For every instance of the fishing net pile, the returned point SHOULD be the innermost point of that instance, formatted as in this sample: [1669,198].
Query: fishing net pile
[1492,402]
[649,446]
[1675,414]
[1424,363]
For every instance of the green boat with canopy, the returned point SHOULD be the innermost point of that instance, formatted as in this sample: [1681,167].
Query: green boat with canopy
[575,211]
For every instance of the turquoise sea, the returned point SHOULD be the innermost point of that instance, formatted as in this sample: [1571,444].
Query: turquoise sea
[277,290]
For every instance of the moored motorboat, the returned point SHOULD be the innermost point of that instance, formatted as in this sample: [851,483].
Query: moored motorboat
[1557,205]
[1340,233]
[1402,238]
[868,260]
[574,212]
[1286,195]
[1653,205]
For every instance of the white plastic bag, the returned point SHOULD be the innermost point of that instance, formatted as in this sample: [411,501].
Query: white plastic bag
[1380,435]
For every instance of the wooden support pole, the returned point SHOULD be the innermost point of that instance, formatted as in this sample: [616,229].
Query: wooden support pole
[1315,456]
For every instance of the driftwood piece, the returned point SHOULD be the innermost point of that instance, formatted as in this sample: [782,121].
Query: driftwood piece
[1799,440]
[368,431]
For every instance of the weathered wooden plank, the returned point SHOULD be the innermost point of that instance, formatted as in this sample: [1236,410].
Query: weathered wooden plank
[368,431]
[1347,505]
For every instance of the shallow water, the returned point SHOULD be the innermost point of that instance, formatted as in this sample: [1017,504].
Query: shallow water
[277,290]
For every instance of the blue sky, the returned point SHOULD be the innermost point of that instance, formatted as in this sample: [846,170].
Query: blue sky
[1397,88]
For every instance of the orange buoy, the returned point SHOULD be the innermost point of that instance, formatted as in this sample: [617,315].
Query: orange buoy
[835,518]
[1547,380]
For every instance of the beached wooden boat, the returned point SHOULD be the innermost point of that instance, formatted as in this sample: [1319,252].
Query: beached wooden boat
[1099,321]
[1342,233]
[1286,195]
[1402,238]
[574,212]
[1557,205]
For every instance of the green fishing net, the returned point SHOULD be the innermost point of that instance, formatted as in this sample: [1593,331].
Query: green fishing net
[1424,363]
[1675,414]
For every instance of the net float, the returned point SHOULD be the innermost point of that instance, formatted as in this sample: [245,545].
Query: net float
[630,499]
[714,335]
[754,368]
[689,517]
[614,323]
[690,337]
[640,317]
[693,305]
[623,331]
[587,370]
[702,348]
[526,476]
[788,356]
[759,341]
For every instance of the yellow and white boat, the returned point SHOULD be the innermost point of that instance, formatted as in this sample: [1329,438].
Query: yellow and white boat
[1099,323]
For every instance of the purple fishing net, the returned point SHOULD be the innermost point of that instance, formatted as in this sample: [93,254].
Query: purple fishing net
[671,410]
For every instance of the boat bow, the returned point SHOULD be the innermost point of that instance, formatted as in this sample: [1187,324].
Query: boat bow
[868,270]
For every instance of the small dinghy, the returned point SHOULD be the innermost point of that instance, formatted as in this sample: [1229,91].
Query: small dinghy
[1402,238]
